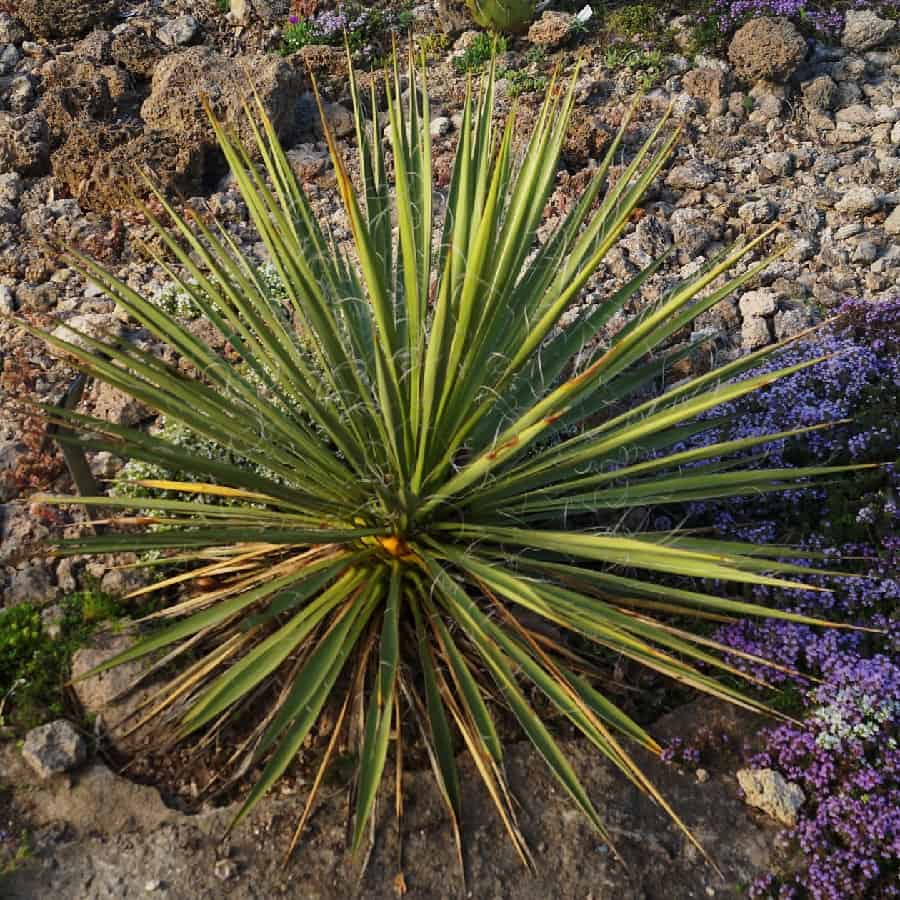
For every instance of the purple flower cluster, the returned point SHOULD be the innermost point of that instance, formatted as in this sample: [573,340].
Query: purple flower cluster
[705,747]
[856,385]
[845,754]
[824,17]
[868,598]
[846,758]
[360,24]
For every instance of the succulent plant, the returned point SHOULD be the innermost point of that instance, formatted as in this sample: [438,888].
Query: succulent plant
[427,524]
[502,15]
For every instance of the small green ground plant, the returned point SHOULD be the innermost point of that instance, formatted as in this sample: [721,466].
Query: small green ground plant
[479,53]
[523,82]
[423,474]
[34,666]
[650,65]
[634,19]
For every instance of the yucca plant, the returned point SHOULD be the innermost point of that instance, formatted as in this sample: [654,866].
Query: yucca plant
[426,528]
[502,15]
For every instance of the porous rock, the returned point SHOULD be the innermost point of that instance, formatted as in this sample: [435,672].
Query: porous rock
[322,60]
[767,48]
[64,18]
[24,143]
[551,29]
[707,85]
[182,79]
[768,790]
[102,164]
[53,748]
[136,51]
[863,30]
[585,140]
[76,90]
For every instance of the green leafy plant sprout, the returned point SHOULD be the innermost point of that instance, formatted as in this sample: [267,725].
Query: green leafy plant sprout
[479,53]
[424,475]
[431,44]
[634,19]
[33,665]
[535,56]
[297,35]
[650,64]
[522,82]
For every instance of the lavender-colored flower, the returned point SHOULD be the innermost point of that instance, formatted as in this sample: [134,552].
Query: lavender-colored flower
[845,754]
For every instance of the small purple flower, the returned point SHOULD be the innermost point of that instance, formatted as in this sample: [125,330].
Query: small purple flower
[845,755]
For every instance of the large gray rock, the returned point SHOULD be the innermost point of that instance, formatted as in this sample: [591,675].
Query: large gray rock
[182,79]
[692,230]
[33,583]
[93,325]
[767,790]
[64,18]
[7,305]
[12,451]
[109,694]
[22,534]
[819,94]
[53,748]
[767,48]
[11,30]
[179,32]
[11,187]
[692,175]
[758,303]
[755,333]
[863,30]
[859,201]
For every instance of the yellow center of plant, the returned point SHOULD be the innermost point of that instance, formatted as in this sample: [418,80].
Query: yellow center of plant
[394,546]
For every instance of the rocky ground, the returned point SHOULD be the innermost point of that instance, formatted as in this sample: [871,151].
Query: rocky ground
[93,94]
[100,836]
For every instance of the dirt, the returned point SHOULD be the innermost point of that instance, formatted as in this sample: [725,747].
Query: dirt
[98,836]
